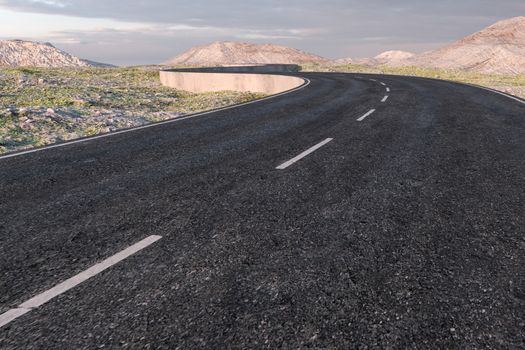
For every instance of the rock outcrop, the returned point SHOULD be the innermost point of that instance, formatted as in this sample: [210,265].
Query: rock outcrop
[394,57]
[498,49]
[231,53]
[19,53]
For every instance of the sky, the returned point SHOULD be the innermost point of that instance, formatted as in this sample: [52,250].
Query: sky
[132,32]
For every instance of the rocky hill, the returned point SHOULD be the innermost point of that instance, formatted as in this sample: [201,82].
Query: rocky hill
[343,61]
[394,57]
[498,49]
[230,53]
[18,53]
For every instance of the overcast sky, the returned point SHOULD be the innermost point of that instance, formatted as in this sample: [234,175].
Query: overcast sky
[127,32]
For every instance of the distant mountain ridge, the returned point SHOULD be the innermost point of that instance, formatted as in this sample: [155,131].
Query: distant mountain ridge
[499,48]
[393,57]
[20,53]
[230,52]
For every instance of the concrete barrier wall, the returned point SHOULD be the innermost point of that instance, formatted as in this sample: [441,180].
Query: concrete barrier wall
[209,80]
[262,68]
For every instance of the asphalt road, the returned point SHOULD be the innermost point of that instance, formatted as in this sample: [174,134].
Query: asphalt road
[403,230]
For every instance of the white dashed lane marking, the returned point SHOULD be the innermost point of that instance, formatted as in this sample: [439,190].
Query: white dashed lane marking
[369,113]
[74,281]
[304,154]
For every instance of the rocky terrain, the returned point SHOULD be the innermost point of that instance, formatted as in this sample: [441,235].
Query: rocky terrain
[342,61]
[498,49]
[18,53]
[41,106]
[230,53]
[493,57]
[393,58]
[390,58]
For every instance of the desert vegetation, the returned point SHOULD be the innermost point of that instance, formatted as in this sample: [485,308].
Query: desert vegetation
[41,106]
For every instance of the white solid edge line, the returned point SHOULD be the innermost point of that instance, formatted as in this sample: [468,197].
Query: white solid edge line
[307,82]
[499,93]
[304,154]
[517,99]
[74,281]
[384,99]
[464,84]
[366,115]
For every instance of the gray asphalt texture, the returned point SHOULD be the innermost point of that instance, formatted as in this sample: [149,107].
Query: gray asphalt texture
[405,232]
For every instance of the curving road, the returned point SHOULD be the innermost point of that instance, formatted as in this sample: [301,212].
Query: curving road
[308,220]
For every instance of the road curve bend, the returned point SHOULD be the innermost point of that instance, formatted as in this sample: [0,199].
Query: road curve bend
[361,211]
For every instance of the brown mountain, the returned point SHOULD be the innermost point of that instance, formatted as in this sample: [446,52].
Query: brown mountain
[19,53]
[393,57]
[388,58]
[498,49]
[230,53]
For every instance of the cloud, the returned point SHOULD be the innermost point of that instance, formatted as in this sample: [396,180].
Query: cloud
[156,43]
[266,13]
[51,3]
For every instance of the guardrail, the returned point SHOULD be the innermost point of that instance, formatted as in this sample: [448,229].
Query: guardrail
[237,78]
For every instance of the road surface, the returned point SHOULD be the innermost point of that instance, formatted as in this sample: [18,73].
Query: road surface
[359,211]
